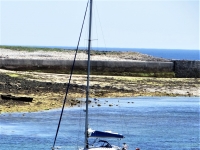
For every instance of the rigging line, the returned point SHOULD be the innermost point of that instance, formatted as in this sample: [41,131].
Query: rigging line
[95,24]
[100,26]
[68,85]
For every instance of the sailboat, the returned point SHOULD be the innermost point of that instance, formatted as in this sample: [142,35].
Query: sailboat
[98,144]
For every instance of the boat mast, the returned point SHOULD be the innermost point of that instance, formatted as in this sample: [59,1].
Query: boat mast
[88,77]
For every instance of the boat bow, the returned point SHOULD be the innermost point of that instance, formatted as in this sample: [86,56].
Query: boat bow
[104,134]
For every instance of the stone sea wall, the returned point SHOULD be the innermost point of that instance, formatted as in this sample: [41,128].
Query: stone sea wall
[182,69]
[187,69]
[119,66]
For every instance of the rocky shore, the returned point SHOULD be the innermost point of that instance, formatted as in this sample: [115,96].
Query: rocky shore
[48,89]
[82,55]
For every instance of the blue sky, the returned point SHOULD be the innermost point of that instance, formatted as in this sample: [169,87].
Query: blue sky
[168,24]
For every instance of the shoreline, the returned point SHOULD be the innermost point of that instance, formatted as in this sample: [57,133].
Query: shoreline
[78,107]
[48,89]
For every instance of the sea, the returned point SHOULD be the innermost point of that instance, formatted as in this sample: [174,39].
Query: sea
[173,54]
[149,123]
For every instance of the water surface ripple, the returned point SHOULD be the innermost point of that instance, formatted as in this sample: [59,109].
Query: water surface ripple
[157,123]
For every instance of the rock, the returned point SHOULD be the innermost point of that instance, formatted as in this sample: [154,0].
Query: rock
[38,103]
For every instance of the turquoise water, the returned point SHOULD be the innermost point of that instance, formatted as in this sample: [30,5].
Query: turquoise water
[157,123]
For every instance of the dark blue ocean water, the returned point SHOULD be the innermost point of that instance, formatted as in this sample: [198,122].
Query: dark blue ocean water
[175,54]
[151,123]
[172,54]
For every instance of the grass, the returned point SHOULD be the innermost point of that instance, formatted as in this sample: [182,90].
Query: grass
[13,75]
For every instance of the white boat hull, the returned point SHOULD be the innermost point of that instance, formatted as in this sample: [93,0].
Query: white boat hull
[102,148]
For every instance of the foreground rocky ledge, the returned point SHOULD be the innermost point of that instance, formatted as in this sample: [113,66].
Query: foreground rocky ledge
[48,89]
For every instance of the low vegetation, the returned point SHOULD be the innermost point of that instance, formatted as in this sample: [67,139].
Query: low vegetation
[30,49]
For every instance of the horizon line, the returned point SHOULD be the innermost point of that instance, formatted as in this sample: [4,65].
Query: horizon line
[74,47]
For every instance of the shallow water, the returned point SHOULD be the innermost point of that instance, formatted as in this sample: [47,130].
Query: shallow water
[146,122]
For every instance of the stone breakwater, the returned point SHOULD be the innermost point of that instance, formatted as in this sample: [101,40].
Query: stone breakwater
[96,65]
[187,69]
[124,63]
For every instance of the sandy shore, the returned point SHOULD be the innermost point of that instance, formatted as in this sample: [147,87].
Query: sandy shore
[48,89]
